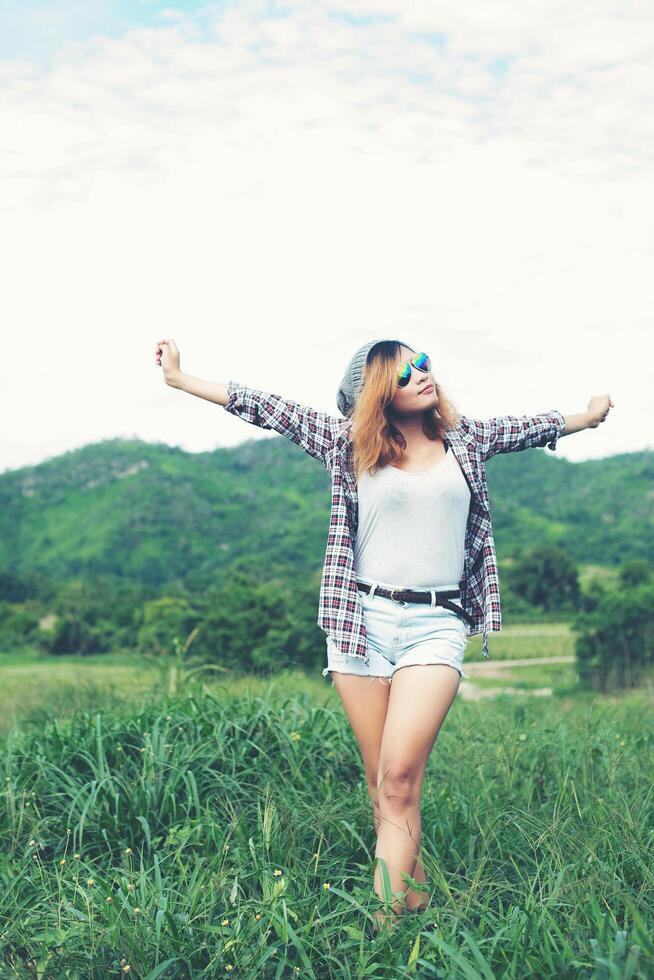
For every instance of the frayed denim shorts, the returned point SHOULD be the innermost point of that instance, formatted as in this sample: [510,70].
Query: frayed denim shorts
[401,634]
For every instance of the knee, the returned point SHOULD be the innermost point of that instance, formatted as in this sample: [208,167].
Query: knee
[398,783]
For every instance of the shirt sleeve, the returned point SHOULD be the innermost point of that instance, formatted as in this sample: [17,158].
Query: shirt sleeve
[513,433]
[308,428]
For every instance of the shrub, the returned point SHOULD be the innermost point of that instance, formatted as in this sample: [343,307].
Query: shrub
[614,648]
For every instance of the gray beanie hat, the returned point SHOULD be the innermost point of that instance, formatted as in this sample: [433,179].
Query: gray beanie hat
[352,383]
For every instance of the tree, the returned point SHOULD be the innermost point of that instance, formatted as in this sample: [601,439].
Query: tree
[615,648]
[634,572]
[545,576]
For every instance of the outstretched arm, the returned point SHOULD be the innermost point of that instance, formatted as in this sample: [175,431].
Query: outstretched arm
[308,428]
[511,433]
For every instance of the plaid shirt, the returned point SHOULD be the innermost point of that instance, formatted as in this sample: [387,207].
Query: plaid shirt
[327,438]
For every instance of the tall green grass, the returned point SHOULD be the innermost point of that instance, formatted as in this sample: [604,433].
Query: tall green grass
[227,830]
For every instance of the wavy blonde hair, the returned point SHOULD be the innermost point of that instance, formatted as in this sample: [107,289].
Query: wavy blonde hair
[376,441]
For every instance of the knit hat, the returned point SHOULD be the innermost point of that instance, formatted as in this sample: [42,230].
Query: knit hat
[352,382]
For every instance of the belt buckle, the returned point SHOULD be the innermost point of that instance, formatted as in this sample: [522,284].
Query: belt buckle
[393,597]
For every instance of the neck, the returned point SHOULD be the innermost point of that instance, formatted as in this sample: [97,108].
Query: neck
[410,426]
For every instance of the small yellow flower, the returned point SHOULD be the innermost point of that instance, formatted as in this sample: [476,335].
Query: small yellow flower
[225,922]
[90,882]
[126,968]
[63,861]
[257,916]
[295,736]
[109,898]
[229,966]
[32,843]
[123,961]
[327,885]
[130,887]
[77,856]
[128,850]
[137,911]
[277,871]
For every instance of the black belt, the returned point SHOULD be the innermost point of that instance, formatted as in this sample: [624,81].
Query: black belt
[411,595]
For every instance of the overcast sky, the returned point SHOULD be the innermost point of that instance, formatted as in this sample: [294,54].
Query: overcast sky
[273,185]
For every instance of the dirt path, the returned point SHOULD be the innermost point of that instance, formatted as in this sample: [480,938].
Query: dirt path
[494,668]
[490,667]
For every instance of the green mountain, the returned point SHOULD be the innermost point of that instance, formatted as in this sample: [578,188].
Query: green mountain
[157,515]
[601,511]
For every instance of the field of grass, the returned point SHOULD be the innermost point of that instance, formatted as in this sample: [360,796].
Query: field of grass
[560,678]
[36,687]
[524,640]
[225,829]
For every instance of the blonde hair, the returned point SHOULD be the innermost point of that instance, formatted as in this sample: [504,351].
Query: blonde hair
[376,441]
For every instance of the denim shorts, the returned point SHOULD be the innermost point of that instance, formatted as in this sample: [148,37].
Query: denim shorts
[401,634]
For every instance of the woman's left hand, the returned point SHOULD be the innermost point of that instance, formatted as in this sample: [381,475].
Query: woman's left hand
[598,409]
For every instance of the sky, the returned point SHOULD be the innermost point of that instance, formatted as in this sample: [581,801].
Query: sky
[273,185]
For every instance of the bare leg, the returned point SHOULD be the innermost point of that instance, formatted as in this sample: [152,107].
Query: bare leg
[417,899]
[414,899]
[421,696]
[365,700]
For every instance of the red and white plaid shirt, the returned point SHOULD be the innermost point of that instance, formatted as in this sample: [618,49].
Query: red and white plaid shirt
[327,438]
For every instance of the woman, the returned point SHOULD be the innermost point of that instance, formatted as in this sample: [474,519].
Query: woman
[410,569]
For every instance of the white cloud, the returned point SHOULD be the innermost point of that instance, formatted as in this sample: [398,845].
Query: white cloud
[274,191]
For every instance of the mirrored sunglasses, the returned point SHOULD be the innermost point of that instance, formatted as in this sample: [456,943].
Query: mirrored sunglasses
[420,361]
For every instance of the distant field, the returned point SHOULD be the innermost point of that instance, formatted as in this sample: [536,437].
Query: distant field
[33,686]
[38,686]
[525,640]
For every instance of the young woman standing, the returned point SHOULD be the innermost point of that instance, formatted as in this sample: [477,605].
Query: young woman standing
[410,570]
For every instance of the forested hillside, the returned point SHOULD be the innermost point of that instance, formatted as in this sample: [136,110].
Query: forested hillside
[155,514]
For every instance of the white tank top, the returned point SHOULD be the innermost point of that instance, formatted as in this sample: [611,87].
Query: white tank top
[411,526]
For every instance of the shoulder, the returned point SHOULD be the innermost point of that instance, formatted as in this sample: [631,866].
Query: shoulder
[342,429]
[467,430]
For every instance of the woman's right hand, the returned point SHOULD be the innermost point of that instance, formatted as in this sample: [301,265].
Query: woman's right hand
[167,357]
